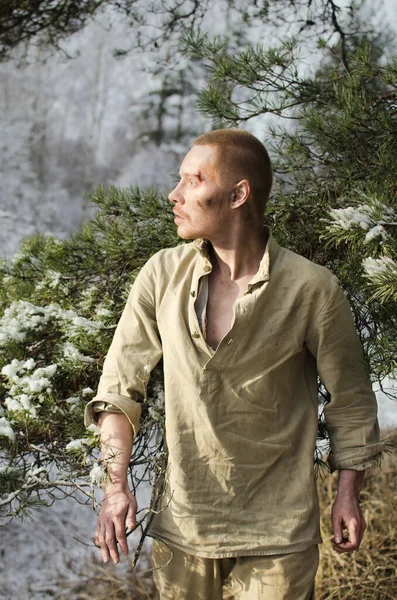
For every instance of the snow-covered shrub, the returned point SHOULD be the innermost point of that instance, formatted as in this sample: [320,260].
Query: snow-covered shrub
[59,304]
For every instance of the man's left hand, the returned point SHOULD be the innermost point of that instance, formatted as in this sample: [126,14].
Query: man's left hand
[347,514]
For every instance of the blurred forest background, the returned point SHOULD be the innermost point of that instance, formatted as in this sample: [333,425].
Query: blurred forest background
[112,96]
[116,103]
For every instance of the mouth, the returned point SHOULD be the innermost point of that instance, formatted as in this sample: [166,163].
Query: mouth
[177,216]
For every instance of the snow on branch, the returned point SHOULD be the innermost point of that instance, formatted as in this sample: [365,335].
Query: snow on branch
[381,274]
[369,221]
[368,229]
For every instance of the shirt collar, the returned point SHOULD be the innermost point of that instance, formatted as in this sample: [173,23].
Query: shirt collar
[201,246]
[263,273]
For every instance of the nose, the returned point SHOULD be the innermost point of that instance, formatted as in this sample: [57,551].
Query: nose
[174,195]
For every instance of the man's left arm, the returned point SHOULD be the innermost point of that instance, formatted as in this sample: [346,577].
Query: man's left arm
[346,512]
[351,414]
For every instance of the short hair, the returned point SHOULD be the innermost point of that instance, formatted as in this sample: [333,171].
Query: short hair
[240,155]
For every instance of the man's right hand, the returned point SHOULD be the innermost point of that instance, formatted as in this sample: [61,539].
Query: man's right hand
[118,511]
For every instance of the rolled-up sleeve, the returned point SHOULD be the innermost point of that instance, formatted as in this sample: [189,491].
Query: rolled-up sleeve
[351,414]
[134,352]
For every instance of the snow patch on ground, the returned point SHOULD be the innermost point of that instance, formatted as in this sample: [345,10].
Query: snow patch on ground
[41,558]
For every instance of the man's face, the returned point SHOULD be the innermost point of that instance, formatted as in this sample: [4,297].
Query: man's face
[201,201]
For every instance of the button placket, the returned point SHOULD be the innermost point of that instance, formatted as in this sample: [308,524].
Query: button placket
[194,325]
[243,312]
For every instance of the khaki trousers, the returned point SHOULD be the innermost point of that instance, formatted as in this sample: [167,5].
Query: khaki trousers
[277,577]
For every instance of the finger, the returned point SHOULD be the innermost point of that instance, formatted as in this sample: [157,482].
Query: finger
[101,543]
[131,517]
[362,528]
[354,533]
[344,546]
[98,529]
[110,542]
[120,535]
[104,553]
[338,529]
[352,542]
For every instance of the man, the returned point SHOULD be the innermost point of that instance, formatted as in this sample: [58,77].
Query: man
[244,327]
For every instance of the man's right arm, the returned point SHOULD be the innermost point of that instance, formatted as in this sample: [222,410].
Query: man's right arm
[135,350]
[119,505]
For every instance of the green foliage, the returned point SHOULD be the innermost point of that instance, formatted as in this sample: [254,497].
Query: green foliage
[248,82]
[59,306]
[334,202]
[24,20]
[337,160]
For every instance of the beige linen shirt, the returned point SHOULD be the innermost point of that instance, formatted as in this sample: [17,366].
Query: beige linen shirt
[241,421]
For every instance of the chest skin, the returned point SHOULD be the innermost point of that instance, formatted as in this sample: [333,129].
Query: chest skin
[222,297]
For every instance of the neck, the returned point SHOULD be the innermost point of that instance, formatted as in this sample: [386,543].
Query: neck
[238,253]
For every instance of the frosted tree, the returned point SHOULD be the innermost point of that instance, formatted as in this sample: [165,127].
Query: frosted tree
[367,230]
[101,90]
[59,304]
[60,300]
[46,23]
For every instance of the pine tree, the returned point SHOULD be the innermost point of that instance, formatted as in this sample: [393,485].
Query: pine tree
[335,197]
[334,202]
[60,302]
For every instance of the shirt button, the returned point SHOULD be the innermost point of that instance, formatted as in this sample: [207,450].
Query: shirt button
[195,335]
[206,268]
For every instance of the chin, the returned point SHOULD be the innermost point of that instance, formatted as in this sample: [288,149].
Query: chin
[188,234]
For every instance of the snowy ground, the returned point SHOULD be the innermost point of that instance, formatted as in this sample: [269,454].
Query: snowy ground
[42,558]
[36,555]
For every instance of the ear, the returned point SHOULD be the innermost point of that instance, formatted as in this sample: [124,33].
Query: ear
[240,193]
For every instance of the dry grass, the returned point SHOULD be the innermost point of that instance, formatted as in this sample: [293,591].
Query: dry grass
[110,582]
[369,574]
